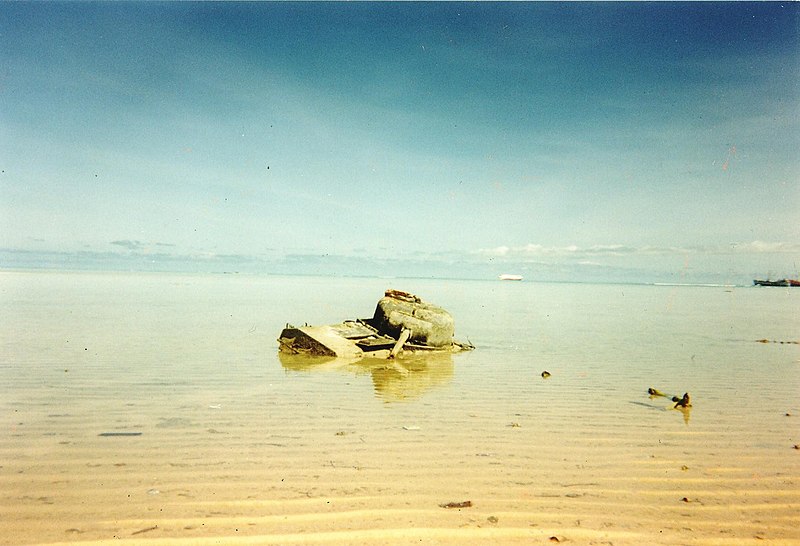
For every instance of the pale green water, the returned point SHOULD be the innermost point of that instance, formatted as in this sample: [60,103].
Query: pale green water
[181,333]
[191,362]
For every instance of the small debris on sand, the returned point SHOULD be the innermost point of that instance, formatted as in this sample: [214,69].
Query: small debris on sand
[140,531]
[545,374]
[463,504]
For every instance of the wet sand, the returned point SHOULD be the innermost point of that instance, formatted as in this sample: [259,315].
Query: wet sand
[343,477]
[243,448]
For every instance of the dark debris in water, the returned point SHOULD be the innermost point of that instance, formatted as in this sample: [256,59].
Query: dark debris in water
[684,402]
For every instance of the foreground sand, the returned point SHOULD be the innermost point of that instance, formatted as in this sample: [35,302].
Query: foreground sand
[223,473]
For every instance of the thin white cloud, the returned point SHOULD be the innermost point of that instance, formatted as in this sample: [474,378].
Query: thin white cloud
[537,250]
[532,250]
[497,251]
[763,247]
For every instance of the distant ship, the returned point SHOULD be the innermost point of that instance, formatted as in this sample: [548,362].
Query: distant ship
[510,277]
[780,282]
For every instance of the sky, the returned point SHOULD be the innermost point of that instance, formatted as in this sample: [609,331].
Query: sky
[561,141]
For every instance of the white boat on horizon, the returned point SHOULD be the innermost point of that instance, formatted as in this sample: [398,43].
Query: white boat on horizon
[510,277]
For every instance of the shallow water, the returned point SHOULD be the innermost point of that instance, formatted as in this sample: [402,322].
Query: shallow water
[239,445]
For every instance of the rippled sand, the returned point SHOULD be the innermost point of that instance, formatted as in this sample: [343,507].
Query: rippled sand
[238,446]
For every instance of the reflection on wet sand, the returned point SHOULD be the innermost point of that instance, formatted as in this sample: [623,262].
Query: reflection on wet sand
[686,411]
[404,378]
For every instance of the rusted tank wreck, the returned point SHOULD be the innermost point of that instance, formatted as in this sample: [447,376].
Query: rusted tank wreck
[401,322]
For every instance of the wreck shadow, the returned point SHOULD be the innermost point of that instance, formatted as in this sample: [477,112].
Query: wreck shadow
[686,412]
[407,377]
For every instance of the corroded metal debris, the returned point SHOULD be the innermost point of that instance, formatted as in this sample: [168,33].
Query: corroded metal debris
[401,322]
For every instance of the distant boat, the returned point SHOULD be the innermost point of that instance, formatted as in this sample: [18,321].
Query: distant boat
[510,277]
[780,282]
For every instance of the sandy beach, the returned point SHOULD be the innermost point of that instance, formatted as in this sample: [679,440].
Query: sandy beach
[179,424]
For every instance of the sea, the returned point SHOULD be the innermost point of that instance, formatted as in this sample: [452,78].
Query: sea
[156,408]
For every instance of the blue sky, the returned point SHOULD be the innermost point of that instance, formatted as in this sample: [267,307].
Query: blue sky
[565,141]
